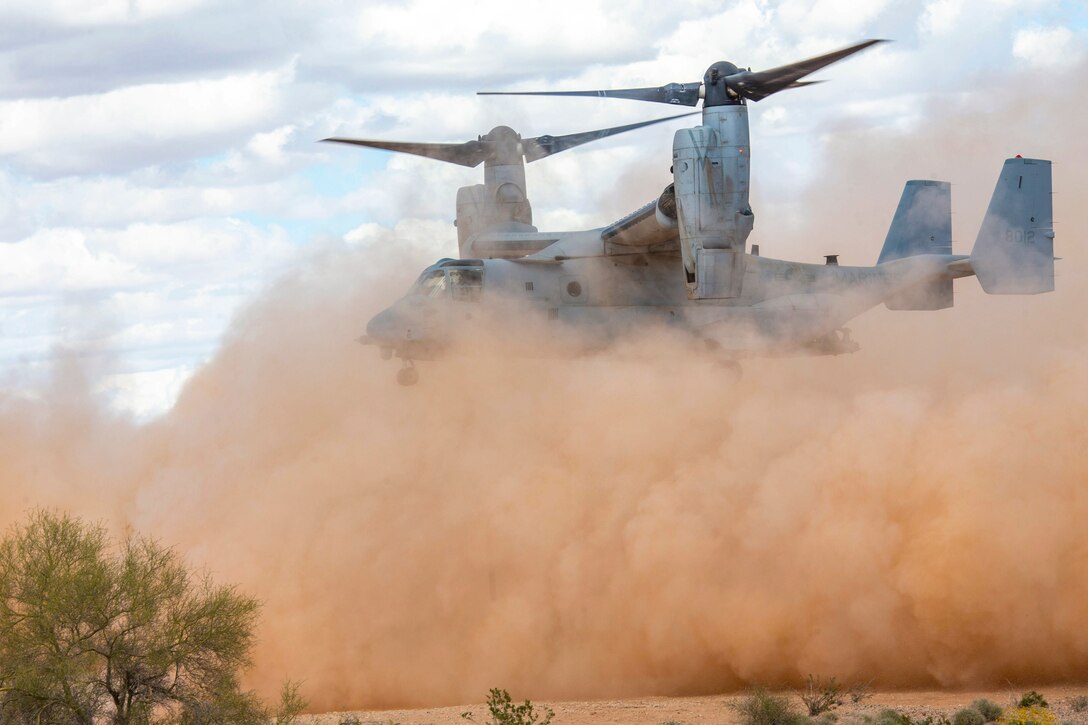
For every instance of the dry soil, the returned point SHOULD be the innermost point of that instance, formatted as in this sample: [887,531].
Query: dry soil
[717,709]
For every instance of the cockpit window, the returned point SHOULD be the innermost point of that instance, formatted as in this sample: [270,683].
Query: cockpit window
[467,283]
[432,285]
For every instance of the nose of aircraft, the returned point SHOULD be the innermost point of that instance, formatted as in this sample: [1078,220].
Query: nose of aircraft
[384,327]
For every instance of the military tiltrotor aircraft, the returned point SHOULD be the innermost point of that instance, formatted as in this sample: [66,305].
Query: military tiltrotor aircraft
[682,260]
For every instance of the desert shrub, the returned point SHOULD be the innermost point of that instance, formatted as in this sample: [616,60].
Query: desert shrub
[931,720]
[1079,703]
[292,703]
[826,718]
[225,704]
[1032,699]
[990,710]
[92,632]
[821,695]
[1033,715]
[860,691]
[968,716]
[350,720]
[892,717]
[504,711]
[760,707]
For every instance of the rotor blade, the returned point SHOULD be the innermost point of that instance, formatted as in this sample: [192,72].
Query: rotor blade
[541,146]
[678,94]
[470,153]
[756,86]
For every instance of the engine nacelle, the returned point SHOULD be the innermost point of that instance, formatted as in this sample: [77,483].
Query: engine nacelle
[710,187]
[483,208]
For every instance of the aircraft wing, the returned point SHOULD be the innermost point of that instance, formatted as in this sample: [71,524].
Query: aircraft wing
[639,232]
[641,229]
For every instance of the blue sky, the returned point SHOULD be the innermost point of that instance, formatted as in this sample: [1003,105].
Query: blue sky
[160,164]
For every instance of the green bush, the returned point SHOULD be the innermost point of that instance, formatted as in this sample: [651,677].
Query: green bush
[1032,699]
[95,632]
[503,711]
[968,716]
[760,707]
[989,709]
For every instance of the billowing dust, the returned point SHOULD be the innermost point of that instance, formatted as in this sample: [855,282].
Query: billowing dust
[629,524]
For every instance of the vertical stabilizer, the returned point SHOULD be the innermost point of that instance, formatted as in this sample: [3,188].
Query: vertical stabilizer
[922,223]
[1014,252]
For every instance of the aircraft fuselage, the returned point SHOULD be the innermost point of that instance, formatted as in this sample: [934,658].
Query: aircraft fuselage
[590,302]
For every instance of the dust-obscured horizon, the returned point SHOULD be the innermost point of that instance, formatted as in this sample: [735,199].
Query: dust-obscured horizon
[915,513]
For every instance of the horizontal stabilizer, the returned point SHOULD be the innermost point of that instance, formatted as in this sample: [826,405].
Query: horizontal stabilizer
[933,294]
[1014,251]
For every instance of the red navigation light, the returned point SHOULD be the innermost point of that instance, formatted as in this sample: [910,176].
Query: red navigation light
[1019,156]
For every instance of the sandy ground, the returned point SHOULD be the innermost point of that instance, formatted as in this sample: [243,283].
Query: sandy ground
[716,709]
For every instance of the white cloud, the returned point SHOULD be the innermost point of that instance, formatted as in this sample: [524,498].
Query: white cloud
[967,18]
[441,28]
[116,201]
[834,18]
[1048,47]
[104,130]
[96,12]
[940,16]
[144,394]
[205,248]
[774,116]
[270,146]
[746,24]
[55,260]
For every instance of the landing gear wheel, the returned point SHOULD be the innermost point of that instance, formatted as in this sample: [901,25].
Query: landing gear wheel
[408,376]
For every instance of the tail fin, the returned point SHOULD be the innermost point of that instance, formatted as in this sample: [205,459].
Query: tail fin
[1014,252]
[922,223]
